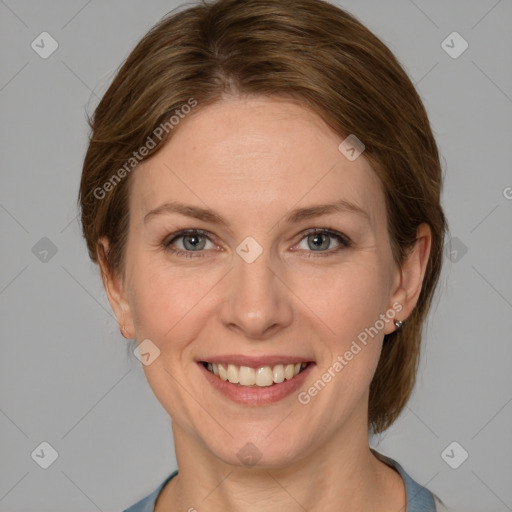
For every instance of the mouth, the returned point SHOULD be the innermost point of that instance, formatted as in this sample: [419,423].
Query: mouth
[256,377]
[256,380]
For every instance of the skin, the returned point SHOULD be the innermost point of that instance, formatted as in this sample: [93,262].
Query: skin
[253,160]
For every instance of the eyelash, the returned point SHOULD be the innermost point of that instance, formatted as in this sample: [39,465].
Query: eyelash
[342,239]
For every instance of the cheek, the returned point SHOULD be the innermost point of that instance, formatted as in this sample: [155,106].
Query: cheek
[348,299]
[349,302]
[167,300]
[168,308]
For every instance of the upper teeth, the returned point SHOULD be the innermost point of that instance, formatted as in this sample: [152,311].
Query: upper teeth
[262,376]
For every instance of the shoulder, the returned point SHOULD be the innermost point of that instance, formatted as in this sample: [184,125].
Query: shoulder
[147,504]
[419,498]
[440,506]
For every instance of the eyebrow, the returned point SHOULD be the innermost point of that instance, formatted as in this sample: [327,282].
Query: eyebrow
[295,216]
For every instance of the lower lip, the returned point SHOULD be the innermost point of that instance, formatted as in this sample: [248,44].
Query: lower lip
[254,396]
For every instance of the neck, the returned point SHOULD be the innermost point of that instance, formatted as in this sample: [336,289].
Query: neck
[342,474]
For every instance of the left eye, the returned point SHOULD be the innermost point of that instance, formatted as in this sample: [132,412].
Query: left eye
[320,240]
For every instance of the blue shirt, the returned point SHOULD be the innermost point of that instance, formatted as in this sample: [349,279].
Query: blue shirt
[419,499]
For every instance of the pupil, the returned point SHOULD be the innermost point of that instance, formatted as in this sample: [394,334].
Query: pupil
[320,240]
[193,242]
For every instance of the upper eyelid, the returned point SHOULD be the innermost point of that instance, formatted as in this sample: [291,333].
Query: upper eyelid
[185,232]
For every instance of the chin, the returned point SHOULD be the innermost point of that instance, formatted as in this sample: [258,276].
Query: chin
[258,452]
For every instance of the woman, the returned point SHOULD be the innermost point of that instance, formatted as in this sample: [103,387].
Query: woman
[262,194]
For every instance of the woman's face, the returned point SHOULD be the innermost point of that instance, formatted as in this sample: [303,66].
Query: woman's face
[254,287]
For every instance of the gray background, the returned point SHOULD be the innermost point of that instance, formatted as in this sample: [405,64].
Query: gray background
[65,374]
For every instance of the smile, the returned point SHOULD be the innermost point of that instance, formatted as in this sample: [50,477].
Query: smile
[262,376]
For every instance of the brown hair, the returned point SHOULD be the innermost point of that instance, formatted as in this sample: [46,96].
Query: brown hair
[304,50]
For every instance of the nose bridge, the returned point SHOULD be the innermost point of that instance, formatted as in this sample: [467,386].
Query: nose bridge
[256,302]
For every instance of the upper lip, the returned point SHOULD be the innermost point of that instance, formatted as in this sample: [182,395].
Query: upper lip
[255,361]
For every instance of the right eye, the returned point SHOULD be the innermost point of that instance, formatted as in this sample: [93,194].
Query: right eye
[190,240]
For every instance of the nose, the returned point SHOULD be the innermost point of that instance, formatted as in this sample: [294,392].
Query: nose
[256,302]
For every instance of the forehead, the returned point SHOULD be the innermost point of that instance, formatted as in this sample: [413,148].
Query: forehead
[255,155]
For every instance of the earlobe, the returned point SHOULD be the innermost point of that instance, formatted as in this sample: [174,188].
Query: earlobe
[114,288]
[412,273]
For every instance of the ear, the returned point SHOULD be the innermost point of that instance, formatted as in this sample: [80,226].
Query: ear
[115,288]
[410,277]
